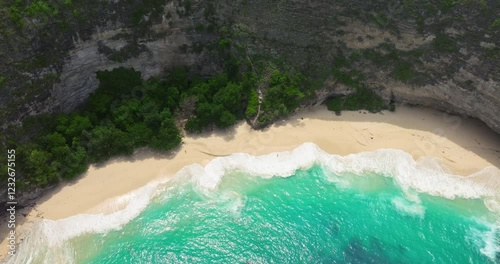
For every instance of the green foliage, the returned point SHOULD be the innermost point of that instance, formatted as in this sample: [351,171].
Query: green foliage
[447,5]
[343,74]
[232,68]
[76,162]
[178,77]
[495,25]
[187,7]
[72,126]
[230,97]
[19,11]
[41,8]
[226,119]
[381,19]
[403,71]
[194,125]
[142,117]
[493,52]
[219,103]
[400,62]
[41,170]
[118,81]
[16,13]
[106,141]
[123,114]
[281,98]
[284,89]
[3,80]
[444,43]
[167,136]
[420,24]
[99,103]
[253,104]
[335,104]
[362,98]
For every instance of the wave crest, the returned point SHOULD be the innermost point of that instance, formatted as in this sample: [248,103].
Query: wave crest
[410,175]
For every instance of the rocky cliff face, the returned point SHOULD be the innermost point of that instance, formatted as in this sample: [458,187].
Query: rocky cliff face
[63,82]
[444,55]
[78,79]
[442,58]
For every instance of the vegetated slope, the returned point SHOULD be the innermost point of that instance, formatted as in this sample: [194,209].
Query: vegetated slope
[258,60]
[443,54]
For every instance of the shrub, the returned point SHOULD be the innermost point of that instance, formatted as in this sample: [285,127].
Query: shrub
[403,71]
[253,104]
[444,43]
[335,104]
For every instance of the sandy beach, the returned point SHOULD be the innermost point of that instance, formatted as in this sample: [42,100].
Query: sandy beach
[464,146]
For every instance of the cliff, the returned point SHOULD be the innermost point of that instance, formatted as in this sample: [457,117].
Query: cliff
[444,54]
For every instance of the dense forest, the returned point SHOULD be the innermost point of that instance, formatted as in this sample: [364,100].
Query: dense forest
[263,70]
[126,113]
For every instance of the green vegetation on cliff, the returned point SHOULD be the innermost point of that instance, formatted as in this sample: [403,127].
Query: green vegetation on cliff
[282,95]
[361,98]
[219,103]
[126,113]
[270,68]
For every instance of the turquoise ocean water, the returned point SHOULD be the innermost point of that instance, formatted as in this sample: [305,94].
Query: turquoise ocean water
[313,216]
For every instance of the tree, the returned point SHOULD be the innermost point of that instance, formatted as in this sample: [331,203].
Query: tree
[194,125]
[171,101]
[162,94]
[139,134]
[168,136]
[126,113]
[230,98]
[178,77]
[55,144]
[98,106]
[225,120]
[106,141]
[77,162]
[72,126]
[41,172]
[118,82]
[205,112]
[253,104]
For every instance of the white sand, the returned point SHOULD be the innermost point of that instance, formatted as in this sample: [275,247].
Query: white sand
[463,145]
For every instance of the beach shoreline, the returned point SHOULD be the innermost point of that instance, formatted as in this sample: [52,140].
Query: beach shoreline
[463,146]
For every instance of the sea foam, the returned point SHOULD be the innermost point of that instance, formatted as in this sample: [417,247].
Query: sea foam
[408,174]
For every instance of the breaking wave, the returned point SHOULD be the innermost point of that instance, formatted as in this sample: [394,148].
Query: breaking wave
[45,242]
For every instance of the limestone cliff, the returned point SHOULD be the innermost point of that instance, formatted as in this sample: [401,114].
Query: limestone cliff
[443,54]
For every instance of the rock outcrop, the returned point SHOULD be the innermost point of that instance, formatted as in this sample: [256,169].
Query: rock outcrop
[442,55]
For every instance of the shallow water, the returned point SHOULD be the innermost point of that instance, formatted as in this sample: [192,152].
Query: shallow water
[304,206]
[306,218]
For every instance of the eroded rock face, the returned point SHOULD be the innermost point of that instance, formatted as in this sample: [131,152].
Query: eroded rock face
[423,58]
[152,57]
[437,56]
[481,102]
[78,78]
